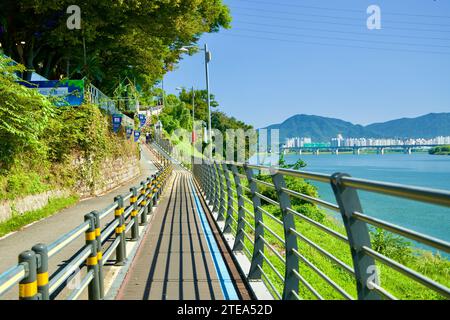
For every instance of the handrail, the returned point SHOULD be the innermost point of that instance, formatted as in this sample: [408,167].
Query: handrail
[433,196]
[355,223]
[33,264]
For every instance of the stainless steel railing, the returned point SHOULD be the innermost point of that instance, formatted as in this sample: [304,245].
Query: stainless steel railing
[31,273]
[232,190]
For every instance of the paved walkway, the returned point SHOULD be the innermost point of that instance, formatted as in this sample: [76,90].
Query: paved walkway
[51,228]
[179,258]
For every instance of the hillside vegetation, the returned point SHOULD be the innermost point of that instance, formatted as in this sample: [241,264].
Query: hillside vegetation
[39,142]
[322,129]
[442,150]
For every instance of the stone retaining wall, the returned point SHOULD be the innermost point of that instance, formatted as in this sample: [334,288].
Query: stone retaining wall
[112,173]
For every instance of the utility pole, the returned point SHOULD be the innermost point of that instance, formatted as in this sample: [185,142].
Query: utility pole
[207,60]
[193,115]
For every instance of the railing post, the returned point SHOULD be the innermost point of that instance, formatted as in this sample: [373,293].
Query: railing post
[292,262]
[154,189]
[98,236]
[158,186]
[120,251]
[358,236]
[228,220]
[201,176]
[216,183]
[143,204]
[239,239]
[221,211]
[41,251]
[207,181]
[92,262]
[28,285]
[134,215]
[210,181]
[149,196]
[257,258]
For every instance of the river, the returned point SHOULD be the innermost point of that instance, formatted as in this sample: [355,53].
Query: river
[416,169]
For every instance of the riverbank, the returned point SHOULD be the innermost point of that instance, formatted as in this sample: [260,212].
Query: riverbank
[440,151]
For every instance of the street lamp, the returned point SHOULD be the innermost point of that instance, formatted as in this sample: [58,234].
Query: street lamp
[207,61]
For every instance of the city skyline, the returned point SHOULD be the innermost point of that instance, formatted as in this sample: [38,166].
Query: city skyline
[340,141]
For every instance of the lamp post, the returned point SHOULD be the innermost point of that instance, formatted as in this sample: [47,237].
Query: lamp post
[207,61]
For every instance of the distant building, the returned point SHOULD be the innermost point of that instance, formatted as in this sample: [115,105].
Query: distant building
[340,142]
[297,142]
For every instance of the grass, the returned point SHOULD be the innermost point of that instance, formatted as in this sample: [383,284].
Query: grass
[19,183]
[20,220]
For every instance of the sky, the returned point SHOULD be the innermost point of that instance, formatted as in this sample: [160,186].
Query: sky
[287,57]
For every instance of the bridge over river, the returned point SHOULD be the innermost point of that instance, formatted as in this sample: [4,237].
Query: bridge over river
[408,149]
[203,231]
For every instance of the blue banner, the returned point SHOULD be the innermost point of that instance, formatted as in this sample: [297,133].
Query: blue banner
[137,134]
[70,92]
[142,120]
[117,122]
[129,132]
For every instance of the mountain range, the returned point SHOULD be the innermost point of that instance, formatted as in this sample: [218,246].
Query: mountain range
[322,129]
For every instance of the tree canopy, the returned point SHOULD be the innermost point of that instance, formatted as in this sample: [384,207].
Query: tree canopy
[138,39]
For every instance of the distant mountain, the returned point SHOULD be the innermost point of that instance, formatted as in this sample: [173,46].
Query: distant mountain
[428,126]
[319,129]
[322,129]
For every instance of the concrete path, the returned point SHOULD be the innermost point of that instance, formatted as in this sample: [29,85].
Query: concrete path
[178,259]
[51,228]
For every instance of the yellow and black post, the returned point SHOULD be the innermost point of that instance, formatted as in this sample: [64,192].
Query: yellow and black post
[143,204]
[120,251]
[98,237]
[149,196]
[92,262]
[28,285]
[158,186]
[41,252]
[134,215]
[154,189]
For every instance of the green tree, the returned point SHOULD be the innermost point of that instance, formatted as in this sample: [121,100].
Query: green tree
[145,35]
[24,114]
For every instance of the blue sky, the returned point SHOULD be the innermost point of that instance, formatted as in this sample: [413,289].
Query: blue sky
[289,57]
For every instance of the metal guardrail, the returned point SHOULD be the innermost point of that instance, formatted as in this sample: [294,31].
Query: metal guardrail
[225,186]
[31,273]
[106,103]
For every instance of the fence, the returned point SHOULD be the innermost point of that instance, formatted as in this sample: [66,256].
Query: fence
[104,102]
[271,245]
[31,273]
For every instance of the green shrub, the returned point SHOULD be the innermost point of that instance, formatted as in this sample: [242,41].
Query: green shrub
[390,245]
[24,114]
[19,221]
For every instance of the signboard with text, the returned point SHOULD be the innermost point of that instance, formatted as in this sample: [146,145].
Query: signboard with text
[117,122]
[137,135]
[70,92]
[129,132]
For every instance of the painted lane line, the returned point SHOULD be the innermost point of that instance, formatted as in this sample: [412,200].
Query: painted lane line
[226,285]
